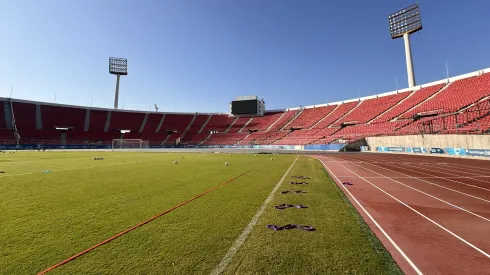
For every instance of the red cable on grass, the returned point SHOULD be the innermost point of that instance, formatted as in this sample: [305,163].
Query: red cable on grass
[141,224]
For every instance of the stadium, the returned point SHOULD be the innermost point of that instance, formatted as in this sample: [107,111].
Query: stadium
[392,183]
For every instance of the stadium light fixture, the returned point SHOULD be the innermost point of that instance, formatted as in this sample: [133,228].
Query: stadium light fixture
[118,66]
[403,23]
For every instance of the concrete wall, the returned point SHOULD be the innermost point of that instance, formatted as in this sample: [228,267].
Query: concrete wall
[432,141]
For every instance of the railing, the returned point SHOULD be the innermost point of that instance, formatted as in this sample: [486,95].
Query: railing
[465,122]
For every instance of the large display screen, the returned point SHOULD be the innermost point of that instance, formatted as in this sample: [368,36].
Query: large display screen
[243,107]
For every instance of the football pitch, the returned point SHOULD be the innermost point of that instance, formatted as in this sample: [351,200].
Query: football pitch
[48,217]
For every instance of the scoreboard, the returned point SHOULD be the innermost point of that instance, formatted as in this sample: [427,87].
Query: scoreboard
[247,105]
[244,107]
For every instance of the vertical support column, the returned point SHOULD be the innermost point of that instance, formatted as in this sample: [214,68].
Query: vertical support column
[408,56]
[116,97]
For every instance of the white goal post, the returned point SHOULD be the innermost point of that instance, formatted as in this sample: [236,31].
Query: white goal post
[118,144]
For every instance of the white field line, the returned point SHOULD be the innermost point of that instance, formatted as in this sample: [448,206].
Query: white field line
[422,215]
[241,239]
[427,194]
[373,220]
[431,183]
[416,171]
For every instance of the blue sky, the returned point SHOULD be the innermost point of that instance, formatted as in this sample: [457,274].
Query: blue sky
[198,55]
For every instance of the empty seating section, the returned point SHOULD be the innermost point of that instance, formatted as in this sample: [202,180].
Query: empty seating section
[193,136]
[224,138]
[339,112]
[261,123]
[126,121]
[283,120]
[58,116]
[218,123]
[175,122]
[262,138]
[415,98]
[98,119]
[25,118]
[375,129]
[371,108]
[3,121]
[311,116]
[239,123]
[481,125]
[152,122]
[7,136]
[303,137]
[457,95]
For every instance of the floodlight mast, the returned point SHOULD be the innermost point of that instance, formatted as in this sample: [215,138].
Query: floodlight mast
[408,57]
[403,23]
[118,66]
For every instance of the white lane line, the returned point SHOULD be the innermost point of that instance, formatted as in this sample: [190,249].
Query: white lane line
[448,164]
[409,177]
[446,178]
[422,215]
[451,169]
[241,239]
[427,194]
[373,220]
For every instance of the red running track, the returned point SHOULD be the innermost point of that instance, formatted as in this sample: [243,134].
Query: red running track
[431,213]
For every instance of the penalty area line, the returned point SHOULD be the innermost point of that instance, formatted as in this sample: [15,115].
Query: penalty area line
[241,239]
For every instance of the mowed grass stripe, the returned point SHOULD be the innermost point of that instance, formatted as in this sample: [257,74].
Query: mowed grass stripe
[341,244]
[191,240]
[49,217]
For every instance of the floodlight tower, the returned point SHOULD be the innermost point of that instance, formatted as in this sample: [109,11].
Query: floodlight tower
[402,24]
[118,66]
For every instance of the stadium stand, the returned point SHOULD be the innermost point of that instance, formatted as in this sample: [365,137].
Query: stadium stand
[224,138]
[126,121]
[456,106]
[98,119]
[262,123]
[219,123]
[371,108]
[238,124]
[25,120]
[59,116]
[152,122]
[3,118]
[338,113]
[412,100]
[284,119]
[263,138]
[456,96]
[176,124]
[193,136]
[310,116]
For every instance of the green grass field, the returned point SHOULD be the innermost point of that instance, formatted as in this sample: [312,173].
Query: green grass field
[48,217]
